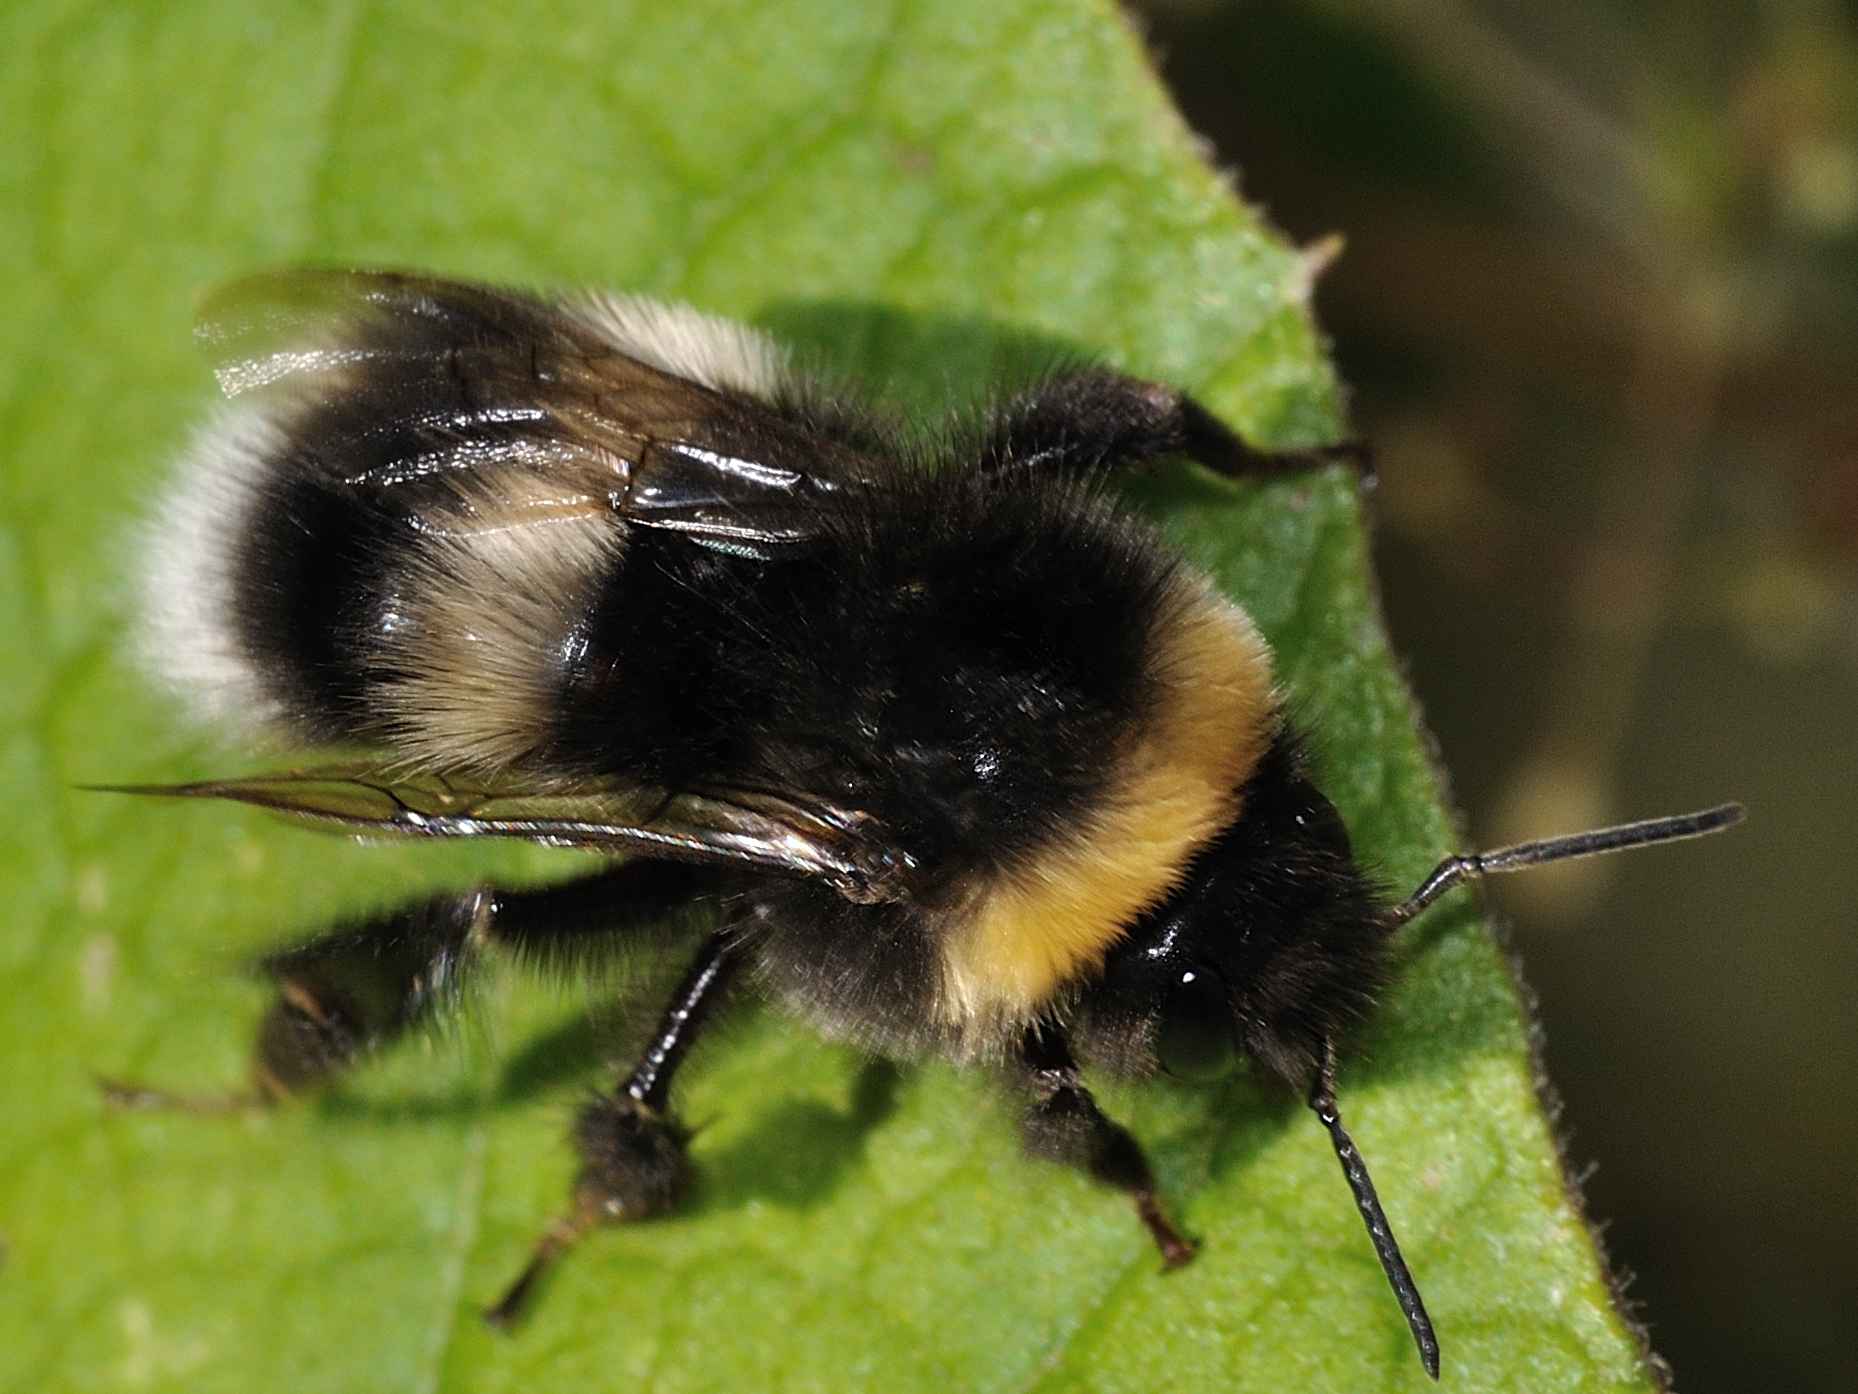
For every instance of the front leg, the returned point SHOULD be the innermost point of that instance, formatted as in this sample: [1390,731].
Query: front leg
[1065,1125]
[1084,422]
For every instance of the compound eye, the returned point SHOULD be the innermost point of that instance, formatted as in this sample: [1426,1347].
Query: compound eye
[1324,825]
[1194,1040]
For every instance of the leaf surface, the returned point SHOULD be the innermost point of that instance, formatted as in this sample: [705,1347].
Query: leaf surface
[925,195]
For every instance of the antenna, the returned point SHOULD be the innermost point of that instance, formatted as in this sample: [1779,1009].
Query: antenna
[1380,1233]
[1473,866]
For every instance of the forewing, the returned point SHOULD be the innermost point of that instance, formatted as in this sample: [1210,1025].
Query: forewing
[654,413]
[754,829]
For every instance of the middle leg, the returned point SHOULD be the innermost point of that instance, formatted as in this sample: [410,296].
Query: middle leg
[634,1162]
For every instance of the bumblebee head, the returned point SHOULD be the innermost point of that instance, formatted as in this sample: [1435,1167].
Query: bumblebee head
[1274,942]
[1271,945]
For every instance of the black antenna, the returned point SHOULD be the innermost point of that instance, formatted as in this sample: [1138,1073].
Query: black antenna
[1473,866]
[1380,1233]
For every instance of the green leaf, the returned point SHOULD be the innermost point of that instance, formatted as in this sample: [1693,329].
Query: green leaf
[919,193]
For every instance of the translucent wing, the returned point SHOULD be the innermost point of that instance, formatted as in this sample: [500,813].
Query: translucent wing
[760,830]
[653,412]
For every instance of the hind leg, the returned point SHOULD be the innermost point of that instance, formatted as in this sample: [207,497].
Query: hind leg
[361,985]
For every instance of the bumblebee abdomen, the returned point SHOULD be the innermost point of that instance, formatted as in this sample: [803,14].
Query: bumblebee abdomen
[315,602]
[300,592]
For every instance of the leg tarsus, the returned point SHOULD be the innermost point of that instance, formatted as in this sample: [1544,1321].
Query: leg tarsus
[634,1162]
[1177,1250]
[1204,437]
[564,1234]
[634,1165]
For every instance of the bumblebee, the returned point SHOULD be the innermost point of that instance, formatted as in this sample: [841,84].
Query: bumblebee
[952,754]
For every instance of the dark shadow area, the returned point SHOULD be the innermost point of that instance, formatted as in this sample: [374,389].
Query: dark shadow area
[571,1053]
[1219,1127]
[589,1049]
[924,363]
[799,1151]
[927,365]
[342,1105]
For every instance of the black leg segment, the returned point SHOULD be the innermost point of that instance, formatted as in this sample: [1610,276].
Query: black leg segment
[1085,422]
[1065,1125]
[634,1162]
[362,985]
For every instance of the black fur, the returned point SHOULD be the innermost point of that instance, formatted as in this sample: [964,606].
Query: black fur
[962,657]
[633,1161]
[1276,913]
[315,584]
[958,646]
[335,516]
[954,640]
[359,986]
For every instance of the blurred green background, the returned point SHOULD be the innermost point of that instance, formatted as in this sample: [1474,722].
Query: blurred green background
[1599,310]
